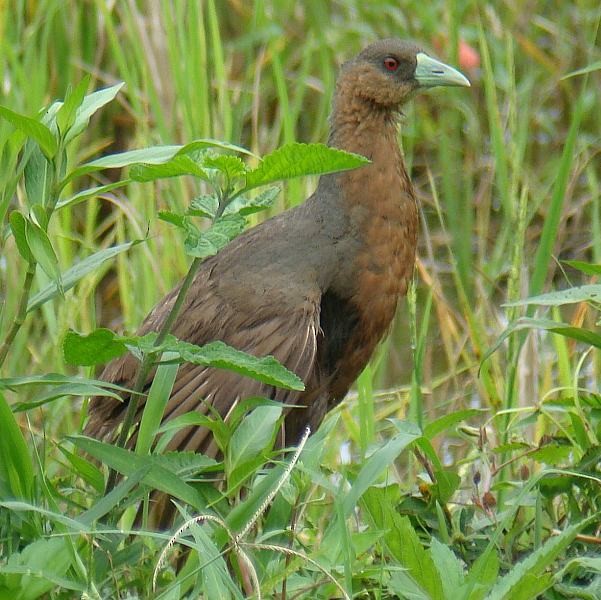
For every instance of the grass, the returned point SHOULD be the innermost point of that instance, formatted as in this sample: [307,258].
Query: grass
[507,174]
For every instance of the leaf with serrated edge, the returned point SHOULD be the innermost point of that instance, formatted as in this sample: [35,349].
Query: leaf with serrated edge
[295,160]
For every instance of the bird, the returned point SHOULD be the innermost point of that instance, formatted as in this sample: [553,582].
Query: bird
[316,286]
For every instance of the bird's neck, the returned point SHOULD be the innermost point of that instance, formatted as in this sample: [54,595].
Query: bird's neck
[361,127]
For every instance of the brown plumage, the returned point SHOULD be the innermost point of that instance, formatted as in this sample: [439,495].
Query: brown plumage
[318,285]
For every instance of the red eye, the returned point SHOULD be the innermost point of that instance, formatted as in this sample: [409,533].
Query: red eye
[391,64]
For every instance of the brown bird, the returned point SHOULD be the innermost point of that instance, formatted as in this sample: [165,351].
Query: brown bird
[316,286]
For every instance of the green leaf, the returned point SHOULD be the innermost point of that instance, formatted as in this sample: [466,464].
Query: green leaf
[99,347]
[482,575]
[217,354]
[77,272]
[210,242]
[449,567]
[172,218]
[36,175]
[295,160]
[252,436]
[32,128]
[204,206]
[380,460]
[232,167]
[155,155]
[13,383]
[402,585]
[127,463]
[596,66]
[154,408]
[179,165]
[193,419]
[447,483]
[247,206]
[91,103]
[584,293]
[83,468]
[575,333]
[534,565]
[93,192]
[43,252]
[18,226]
[37,569]
[585,267]
[65,117]
[60,391]
[448,421]
[402,541]
[16,471]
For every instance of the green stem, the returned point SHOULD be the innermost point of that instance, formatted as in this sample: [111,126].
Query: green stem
[21,313]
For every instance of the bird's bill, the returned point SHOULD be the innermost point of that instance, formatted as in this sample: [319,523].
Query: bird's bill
[431,72]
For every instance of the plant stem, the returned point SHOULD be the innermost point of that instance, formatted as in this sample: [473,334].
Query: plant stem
[147,363]
[21,313]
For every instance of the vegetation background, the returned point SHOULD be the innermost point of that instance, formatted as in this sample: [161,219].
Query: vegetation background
[508,175]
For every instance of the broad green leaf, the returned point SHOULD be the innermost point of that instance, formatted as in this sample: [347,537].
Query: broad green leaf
[449,567]
[127,463]
[402,585]
[99,347]
[43,252]
[231,167]
[415,558]
[210,242]
[65,117]
[217,354]
[16,472]
[77,272]
[172,218]
[295,160]
[154,408]
[32,128]
[541,559]
[204,206]
[252,436]
[482,575]
[373,467]
[584,293]
[179,165]
[18,226]
[90,104]
[37,569]
[247,206]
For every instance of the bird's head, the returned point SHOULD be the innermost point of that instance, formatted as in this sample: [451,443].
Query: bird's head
[387,72]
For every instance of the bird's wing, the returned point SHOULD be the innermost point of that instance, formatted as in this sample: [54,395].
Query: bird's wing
[266,319]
